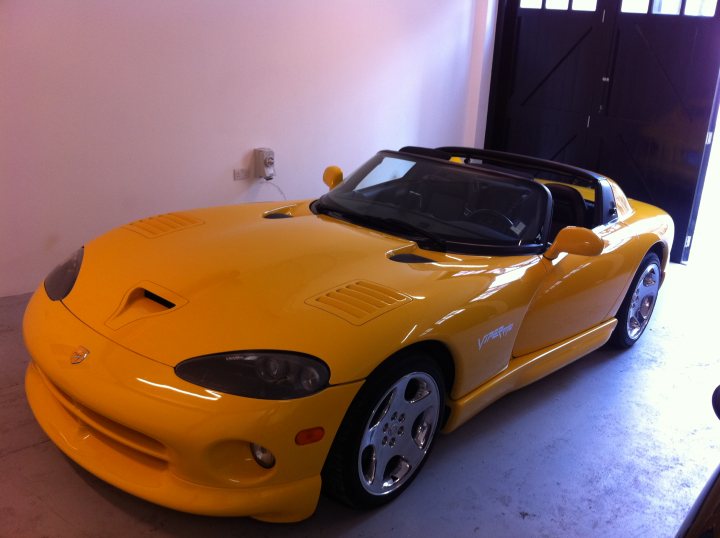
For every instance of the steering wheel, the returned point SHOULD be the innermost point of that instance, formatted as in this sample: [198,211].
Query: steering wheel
[492,218]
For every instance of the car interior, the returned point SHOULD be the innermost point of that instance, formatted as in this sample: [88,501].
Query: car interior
[569,208]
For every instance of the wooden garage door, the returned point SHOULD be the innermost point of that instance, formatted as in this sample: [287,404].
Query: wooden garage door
[624,87]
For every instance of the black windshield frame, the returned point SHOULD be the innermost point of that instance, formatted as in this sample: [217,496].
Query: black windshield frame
[360,201]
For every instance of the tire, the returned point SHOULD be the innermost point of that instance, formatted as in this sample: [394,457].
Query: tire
[637,307]
[387,433]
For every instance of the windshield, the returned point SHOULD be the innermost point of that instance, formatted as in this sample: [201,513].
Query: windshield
[442,205]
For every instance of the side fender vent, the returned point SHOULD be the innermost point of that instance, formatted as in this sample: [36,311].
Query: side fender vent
[163,224]
[360,301]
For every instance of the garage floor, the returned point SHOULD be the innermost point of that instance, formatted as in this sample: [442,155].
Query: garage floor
[617,444]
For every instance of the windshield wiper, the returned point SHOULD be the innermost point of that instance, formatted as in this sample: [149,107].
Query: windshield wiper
[421,236]
[336,211]
[426,238]
[319,206]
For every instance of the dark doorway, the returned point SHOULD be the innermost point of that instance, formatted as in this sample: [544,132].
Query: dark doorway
[623,87]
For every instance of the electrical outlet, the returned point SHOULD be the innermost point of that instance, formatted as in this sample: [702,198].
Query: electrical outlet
[264,163]
[240,173]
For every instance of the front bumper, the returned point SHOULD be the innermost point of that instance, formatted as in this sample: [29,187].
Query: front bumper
[132,422]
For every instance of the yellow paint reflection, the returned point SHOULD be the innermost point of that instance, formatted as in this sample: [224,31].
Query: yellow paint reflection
[213,395]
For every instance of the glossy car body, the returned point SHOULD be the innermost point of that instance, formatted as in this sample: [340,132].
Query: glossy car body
[304,278]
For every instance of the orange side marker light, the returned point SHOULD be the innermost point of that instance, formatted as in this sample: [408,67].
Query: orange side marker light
[311,435]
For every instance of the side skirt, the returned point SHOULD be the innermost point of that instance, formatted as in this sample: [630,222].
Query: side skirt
[522,371]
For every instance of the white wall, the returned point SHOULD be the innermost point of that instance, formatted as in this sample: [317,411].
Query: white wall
[480,73]
[111,111]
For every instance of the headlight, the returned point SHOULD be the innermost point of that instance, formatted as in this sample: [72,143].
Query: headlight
[62,279]
[266,375]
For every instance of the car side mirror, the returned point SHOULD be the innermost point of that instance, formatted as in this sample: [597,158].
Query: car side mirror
[575,240]
[332,177]
[716,401]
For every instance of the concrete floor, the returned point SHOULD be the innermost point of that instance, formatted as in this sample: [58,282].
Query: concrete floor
[617,444]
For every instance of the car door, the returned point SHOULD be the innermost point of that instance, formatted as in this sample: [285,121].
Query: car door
[576,294]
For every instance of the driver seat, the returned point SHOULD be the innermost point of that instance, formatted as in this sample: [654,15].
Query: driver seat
[568,208]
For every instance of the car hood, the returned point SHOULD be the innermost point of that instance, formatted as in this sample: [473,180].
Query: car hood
[192,283]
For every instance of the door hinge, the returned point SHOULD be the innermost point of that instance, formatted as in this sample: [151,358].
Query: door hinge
[688,241]
[708,138]
[588,122]
[603,18]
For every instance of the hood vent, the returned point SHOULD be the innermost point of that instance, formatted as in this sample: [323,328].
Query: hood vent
[409,258]
[284,212]
[163,224]
[277,216]
[144,300]
[360,301]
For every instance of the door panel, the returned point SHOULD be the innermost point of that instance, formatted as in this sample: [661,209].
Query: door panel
[578,293]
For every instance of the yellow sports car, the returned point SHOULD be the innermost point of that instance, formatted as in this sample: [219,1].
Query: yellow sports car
[237,360]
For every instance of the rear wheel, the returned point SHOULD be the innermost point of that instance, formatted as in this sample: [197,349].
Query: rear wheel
[387,433]
[637,307]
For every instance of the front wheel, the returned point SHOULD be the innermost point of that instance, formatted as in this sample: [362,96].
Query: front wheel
[637,307]
[387,433]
